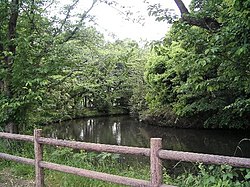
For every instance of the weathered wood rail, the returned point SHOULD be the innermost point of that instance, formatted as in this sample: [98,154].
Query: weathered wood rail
[155,152]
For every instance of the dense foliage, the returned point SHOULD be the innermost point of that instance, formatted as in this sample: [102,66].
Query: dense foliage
[56,67]
[202,73]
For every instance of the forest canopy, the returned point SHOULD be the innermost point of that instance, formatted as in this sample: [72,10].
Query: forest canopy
[56,67]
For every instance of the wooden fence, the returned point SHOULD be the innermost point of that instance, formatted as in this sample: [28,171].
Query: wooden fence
[155,152]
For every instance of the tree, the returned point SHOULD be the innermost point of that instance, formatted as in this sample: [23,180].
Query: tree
[203,73]
[107,79]
[8,47]
[30,43]
[60,68]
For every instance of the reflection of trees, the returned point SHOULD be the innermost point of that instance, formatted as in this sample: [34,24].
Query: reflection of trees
[116,130]
[124,130]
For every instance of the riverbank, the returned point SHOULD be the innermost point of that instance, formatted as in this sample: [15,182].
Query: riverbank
[85,113]
[166,118]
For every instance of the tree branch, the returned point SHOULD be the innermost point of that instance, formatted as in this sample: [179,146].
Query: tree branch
[83,16]
[205,23]
[183,9]
[31,19]
[71,7]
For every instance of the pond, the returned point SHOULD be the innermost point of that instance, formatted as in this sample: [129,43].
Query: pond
[125,130]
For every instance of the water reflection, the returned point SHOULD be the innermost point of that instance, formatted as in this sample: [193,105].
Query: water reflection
[124,130]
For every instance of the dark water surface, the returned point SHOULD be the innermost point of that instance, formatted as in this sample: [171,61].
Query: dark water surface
[124,130]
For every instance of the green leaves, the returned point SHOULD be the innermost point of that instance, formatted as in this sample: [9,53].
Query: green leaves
[216,176]
[203,75]
[247,176]
[241,51]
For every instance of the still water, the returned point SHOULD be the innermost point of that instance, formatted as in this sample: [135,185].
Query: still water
[125,130]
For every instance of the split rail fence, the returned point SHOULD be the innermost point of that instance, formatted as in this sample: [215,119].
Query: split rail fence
[155,152]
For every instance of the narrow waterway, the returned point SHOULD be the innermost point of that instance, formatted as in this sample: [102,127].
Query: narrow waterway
[124,130]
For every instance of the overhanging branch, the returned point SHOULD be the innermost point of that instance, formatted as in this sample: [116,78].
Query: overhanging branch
[206,22]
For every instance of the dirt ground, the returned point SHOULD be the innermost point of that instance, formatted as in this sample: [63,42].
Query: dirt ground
[8,180]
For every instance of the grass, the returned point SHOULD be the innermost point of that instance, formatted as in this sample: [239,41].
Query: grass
[103,162]
[198,175]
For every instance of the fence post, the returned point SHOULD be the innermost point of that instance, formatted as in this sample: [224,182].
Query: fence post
[155,162]
[38,157]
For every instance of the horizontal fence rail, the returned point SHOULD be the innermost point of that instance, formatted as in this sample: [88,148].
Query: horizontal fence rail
[155,152]
[96,175]
[204,158]
[96,147]
[17,159]
[11,136]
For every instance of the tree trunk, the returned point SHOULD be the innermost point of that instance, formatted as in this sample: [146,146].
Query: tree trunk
[11,127]
[9,60]
[1,54]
